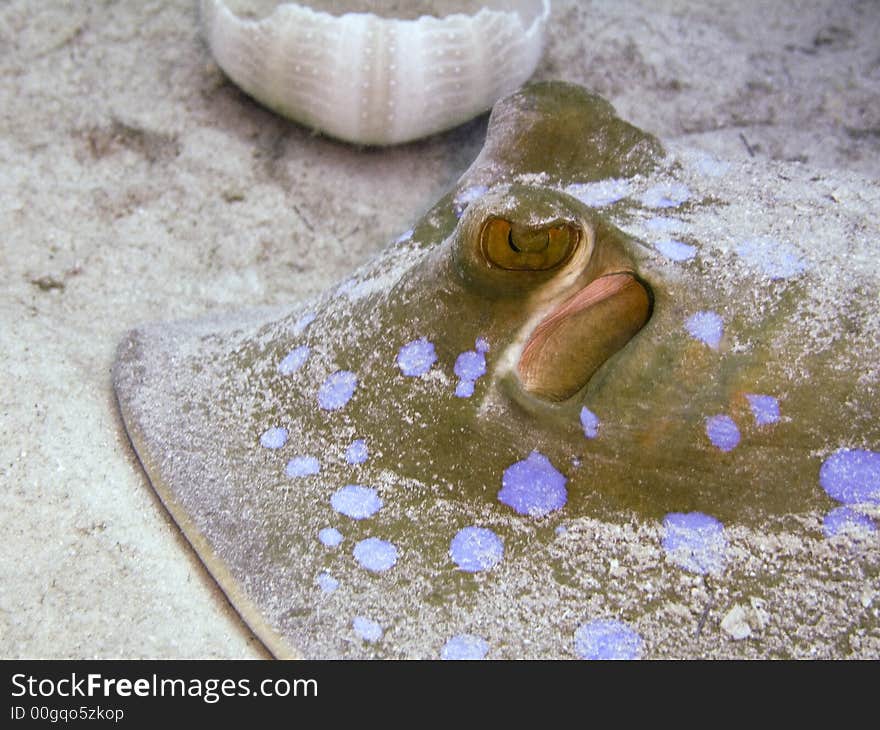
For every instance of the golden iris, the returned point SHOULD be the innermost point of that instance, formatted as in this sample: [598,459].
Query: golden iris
[525,249]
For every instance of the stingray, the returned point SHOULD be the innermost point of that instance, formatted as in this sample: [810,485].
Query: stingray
[584,378]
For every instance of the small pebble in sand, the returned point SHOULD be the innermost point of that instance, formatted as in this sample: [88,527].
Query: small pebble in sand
[736,624]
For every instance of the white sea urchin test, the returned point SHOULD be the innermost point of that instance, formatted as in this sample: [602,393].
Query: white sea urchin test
[376,80]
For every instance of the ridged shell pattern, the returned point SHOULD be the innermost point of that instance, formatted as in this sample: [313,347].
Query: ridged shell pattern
[373,80]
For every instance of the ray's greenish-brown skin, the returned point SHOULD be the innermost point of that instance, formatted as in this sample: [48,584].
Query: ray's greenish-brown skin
[649,460]
[196,398]
[557,132]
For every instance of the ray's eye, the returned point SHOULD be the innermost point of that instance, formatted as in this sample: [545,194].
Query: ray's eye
[519,248]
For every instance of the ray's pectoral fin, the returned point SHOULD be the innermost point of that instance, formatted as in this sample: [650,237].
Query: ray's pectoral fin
[573,341]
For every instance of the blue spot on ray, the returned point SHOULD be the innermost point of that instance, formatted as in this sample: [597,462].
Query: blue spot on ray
[474,549]
[345,287]
[600,193]
[294,360]
[302,323]
[337,390]
[533,486]
[482,345]
[273,438]
[666,195]
[330,536]
[466,197]
[852,476]
[695,541]
[774,259]
[846,521]
[464,388]
[463,647]
[607,639]
[590,423]
[469,367]
[357,453]
[765,409]
[676,250]
[366,628]
[707,327]
[375,554]
[356,501]
[327,582]
[416,358]
[302,466]
[722,432]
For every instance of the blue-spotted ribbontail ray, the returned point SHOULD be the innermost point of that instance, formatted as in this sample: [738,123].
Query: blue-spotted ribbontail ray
[588,407]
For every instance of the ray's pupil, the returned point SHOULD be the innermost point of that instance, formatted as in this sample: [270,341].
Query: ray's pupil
[510,242]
